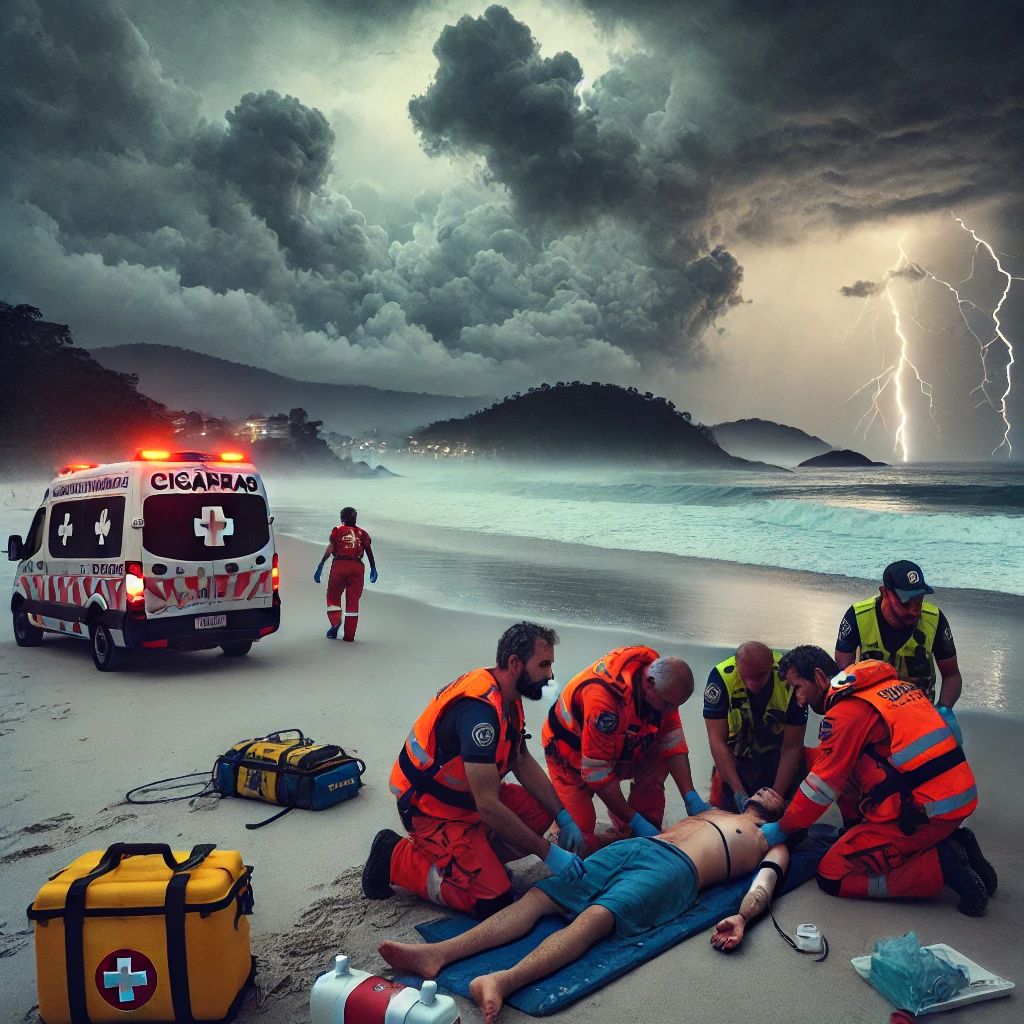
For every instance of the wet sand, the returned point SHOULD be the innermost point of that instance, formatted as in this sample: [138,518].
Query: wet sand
[72,741]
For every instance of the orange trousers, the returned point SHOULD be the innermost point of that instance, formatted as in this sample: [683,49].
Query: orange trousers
[346,575]
[459,864]
[646,795]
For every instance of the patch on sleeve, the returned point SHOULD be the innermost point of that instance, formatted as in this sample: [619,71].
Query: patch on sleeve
[825,730]
[712,694]
[607,722]
[845,629]
[483,734]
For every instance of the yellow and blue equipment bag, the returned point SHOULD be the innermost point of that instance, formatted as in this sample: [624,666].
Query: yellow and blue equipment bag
[143,933]
[290,770]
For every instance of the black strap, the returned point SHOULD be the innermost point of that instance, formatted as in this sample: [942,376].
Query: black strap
[74,911]
[567,736]
[424,782]
[780,874]
[252,826]
[728,856]
[906,782]
[177,955]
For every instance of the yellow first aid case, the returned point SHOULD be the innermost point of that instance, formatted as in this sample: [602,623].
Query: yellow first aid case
[143,933]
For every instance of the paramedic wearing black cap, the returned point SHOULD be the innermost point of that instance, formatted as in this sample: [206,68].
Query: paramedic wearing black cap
[900,627]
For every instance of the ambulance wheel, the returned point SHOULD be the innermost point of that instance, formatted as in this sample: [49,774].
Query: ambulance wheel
[238,649]
[106,656]
[25,634]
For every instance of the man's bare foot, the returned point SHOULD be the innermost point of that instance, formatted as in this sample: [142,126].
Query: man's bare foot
[416,957]
[487,995]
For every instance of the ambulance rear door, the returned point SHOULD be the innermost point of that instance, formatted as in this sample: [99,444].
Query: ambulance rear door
[177,551]
[241,543]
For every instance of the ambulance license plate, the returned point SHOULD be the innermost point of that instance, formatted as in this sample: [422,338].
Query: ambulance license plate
[211,621]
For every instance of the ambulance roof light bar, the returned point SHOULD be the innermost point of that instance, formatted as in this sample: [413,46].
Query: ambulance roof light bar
[160,455]
[74,467]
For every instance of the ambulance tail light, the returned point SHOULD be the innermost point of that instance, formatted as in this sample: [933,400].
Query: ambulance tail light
[134,587]
[275,574]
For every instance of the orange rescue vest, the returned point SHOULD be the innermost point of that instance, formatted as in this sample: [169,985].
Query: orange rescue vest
[347,542]
[563,728]
[925,774]
[440,790]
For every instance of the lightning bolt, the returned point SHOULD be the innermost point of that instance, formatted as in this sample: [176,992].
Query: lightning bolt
[998,335]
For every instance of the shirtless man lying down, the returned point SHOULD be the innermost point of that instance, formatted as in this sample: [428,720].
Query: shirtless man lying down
[632,886]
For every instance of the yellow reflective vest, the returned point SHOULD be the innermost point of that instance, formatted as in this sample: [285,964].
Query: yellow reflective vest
[749,739]
[913,662]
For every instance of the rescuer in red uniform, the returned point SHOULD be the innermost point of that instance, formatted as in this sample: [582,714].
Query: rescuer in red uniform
[902,782]
[617,720]
[464,823]
[346,547]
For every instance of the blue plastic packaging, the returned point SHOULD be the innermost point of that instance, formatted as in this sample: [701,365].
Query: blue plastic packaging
[913,978]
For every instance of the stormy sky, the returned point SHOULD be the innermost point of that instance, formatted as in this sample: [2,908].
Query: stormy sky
[708,200]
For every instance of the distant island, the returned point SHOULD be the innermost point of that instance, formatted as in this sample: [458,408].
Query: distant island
[765,441]
[841,459]
[581,422]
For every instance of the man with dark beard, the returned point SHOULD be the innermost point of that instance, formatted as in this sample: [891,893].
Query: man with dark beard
[463,821]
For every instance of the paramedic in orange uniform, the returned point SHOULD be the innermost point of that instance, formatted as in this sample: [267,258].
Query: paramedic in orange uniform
[347,544]
[616,720]
[903,785]
[463,821]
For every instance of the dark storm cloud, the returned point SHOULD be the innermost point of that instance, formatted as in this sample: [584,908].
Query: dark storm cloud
[860,289]
[132,217]
[837,112]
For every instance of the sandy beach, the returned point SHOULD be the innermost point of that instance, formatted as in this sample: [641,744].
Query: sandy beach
[73,741]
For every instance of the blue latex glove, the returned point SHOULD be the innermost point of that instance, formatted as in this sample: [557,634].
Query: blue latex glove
[695,803]
[640,826]
[316,575]
[772,831]
[373,575]
[741,798]
[564,864]
[954,726]
[570,836]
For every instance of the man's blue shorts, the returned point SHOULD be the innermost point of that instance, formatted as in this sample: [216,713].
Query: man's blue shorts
[643,882]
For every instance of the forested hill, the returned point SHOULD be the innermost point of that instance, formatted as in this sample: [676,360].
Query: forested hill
[585,422]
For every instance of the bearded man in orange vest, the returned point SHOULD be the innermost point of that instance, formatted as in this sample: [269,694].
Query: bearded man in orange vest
[617,720]
[903,785]
[464,823]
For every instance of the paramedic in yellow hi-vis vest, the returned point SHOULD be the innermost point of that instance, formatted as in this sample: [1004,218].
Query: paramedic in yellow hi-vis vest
[755,728]
[901,628]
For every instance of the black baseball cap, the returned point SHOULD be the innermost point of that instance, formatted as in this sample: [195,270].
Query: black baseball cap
[906,579]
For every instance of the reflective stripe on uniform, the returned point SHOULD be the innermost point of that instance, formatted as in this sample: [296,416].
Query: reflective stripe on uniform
[434,885]
[951,803]
[920,745]
[878,887]
[334,607]
[594,770]
[564,713]
[418,752]
[812,794]
[821,785]
[351,615]
[671,739]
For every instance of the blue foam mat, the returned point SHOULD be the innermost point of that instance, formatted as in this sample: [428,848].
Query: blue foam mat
[613,957]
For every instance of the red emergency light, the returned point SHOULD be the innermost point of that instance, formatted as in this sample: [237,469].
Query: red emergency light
[275,574]
[134,587]
[152,455]
[232,457]
[74,467]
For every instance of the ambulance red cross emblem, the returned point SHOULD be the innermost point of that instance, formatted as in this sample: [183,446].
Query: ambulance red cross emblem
[126,979]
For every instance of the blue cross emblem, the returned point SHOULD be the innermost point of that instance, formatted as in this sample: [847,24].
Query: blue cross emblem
[124,979]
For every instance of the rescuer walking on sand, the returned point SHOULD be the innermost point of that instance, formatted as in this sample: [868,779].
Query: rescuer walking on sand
[346,547]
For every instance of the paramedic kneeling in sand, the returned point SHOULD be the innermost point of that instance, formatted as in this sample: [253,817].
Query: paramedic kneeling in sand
[346,547]
[617,720]
[755,727]
[902,782]
[463,822]
[630,887]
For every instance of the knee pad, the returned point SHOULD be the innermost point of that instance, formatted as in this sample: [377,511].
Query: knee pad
[829,885]
[485,908]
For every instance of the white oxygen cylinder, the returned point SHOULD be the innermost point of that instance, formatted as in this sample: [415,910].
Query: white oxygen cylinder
[347,996]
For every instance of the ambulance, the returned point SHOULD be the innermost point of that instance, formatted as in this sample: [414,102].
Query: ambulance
[172,550]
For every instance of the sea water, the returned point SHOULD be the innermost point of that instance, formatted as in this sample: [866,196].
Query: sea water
[961,523]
